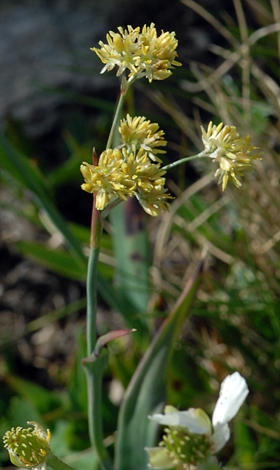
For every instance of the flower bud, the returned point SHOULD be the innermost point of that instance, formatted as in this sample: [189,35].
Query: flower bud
[28,448]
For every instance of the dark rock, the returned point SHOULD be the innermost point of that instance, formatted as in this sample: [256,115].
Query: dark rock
[46,44]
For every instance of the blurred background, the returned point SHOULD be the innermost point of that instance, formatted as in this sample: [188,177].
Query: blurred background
[54,107]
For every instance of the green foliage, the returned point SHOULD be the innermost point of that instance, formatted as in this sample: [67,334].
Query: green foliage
[146,392]
[20,169]
[234,321]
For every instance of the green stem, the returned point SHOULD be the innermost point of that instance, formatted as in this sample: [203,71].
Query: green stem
[94,368]
[57,464]
[183,160]
[124,87]
[95,240]
[92,299]
[94,374]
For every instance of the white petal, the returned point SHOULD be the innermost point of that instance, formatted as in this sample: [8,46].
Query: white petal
[233,392]
[195,420]
[220,437]
[170,419]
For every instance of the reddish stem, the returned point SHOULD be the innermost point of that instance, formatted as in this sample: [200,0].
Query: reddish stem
[96,222]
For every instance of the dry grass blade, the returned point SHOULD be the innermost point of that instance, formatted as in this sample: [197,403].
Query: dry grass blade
[233,58]
[212,20]
[245,64]
[260,11]
[276,14]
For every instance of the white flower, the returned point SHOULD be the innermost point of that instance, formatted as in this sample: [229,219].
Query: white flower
[233,393]
[195,423]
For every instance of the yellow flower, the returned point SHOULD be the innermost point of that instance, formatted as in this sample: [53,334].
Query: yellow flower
[107,179]
[150,190]
[154,202]
[232,153]
[157,53]
[28,448]
[120,174]
[121,50]
[142,53]
[140,133]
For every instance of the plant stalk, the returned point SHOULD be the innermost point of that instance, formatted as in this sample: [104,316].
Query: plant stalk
[124,88]
[94,372]
[57,464]
[92,299]
[183,160]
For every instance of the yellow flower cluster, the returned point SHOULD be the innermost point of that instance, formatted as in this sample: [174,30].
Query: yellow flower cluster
[142,53]
[232,153]
[139,133]
[120,174]
[130,170]
[107,179]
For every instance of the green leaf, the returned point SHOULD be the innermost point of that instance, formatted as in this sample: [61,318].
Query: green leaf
[64,264]
[131,252]
[55,315]
[94,368]
[78,389]
[246,448]
[58,261]
[125,307]
[22,410]
[147,390]
[20,168]
[87,460]
[70,169]
[43,400]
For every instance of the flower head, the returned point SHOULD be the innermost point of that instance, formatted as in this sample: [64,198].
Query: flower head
[143,53]
[234,154]
[148,176]
[120,174]
[158,53]
[189,438]
[107,179]
[121,50]
[28,448]
[138,133]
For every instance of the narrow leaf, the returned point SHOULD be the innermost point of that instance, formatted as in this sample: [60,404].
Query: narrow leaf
[103,340]
[130,241]
[147,390]
[20,168]
[58,261]
[94,374]
[64,264]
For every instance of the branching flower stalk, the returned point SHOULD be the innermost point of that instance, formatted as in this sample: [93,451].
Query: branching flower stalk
[93,373]
[134,168]
[224,146]
[120,173]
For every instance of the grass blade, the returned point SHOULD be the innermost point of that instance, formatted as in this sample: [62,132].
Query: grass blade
[146,392]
